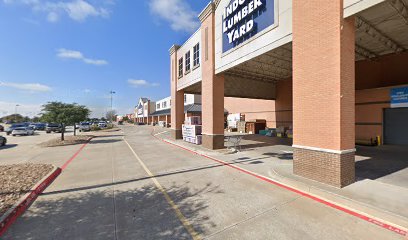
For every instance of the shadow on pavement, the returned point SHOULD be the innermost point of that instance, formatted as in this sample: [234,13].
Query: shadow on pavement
[249,142]
[282,156]
[131,213]
[102,141]
[381,161]
[7,146]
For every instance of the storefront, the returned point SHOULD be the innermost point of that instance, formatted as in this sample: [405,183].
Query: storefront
[331,68]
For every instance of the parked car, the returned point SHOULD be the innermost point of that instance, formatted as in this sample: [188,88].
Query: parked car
[102,125]
[14,126]
[53,127]
[1,128]
[84,127]
[3,141]
[38,126]
[23,131]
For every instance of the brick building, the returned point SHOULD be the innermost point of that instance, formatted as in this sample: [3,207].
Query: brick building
[335,70]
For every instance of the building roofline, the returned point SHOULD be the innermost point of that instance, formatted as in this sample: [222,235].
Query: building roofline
[207,11]
[173,49]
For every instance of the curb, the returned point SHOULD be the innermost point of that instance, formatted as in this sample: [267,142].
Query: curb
[340,203]
[24,202]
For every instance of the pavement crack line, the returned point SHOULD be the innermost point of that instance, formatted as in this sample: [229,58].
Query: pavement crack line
[115,220]
[253,217]
[187,225]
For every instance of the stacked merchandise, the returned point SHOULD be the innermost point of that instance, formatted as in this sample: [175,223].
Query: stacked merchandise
[256,125]
[281,131]
[241,126]
[191,130]
[162,123]
[234,119]
[289,132]
[269,132]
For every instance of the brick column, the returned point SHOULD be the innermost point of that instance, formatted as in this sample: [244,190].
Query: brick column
[177,97]
[323,92]
[212,85]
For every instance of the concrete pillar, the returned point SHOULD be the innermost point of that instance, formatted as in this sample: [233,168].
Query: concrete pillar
[212,85]
[323,92]
[177,97]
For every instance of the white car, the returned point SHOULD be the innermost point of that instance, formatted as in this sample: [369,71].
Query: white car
[23,131]
[102,125]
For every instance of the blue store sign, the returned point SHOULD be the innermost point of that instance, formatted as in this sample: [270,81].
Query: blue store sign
[399,97]
[243,19]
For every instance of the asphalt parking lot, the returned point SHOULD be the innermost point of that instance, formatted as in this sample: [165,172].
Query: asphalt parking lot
[21,149]
[129,185]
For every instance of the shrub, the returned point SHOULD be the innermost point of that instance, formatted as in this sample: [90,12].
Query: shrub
[95,128]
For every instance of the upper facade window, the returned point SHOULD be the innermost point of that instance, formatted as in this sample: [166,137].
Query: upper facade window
[180,67]
[164,104]
[185,98]
[188,60]
[158,106]
[196,55]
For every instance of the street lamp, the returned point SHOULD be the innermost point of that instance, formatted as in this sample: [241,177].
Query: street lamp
[15,113]
[111,94]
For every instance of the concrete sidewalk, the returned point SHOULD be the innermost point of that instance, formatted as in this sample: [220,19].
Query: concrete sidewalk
[373,197]
[110,191]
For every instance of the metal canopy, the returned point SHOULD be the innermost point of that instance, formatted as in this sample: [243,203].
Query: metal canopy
[382,29]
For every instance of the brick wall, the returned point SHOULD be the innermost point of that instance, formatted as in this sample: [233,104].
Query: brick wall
[330,168]
[323,91]
[276,113]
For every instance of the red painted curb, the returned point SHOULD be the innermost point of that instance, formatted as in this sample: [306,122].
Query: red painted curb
[332,205]
[76,154]
[20,208]
[26,203]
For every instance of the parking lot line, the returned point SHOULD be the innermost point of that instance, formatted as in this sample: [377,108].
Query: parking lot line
[176,209]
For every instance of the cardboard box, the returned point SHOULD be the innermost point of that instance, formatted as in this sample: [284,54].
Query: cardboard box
[191,130]
[195,140]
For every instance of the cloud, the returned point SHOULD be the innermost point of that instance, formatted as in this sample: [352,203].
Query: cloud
[177,12]
[72,54]
[78,10]
[141,83]
[30,110]
[32,87]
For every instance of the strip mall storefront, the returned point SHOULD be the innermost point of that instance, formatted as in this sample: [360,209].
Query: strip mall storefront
[336,71]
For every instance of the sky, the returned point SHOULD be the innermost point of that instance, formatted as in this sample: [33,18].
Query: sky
[80,50]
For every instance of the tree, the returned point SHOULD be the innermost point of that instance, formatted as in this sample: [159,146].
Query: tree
[110,115]
[35,119]
[64,114]
[13,118]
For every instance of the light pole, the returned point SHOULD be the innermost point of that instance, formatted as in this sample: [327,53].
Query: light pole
[15,113]
[111,94]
